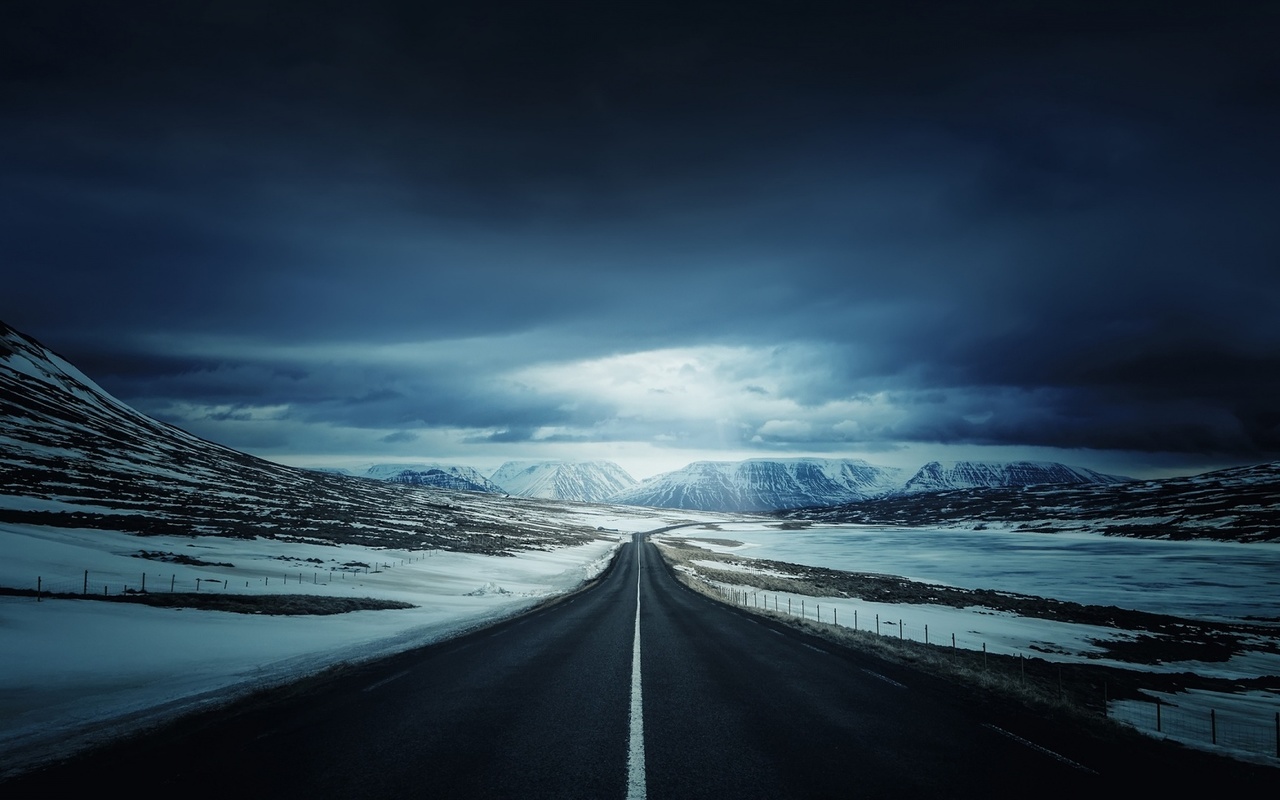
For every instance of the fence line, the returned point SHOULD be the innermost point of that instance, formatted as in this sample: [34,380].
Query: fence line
[114,583]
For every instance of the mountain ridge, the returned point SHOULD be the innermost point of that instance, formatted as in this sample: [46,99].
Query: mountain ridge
[761,484]
[1234,504]
[578,481]
[938,476]
[442,476]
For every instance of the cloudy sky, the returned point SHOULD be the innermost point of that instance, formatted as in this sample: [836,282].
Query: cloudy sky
[351,232]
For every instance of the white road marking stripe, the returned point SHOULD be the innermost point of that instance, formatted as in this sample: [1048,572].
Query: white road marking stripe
[1040,749]
[373,686]
[884,678]
[635,753]
[814,649]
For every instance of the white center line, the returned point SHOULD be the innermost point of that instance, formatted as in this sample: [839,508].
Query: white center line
[884,678]
[635,753]
[1039,749]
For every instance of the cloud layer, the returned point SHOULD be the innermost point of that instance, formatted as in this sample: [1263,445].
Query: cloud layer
[746,227]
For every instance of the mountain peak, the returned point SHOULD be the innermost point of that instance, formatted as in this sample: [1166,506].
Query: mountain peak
[580,481]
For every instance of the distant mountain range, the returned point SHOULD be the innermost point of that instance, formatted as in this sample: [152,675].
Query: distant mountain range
[754,485]
[581,481]
[762,485]
[1239,504]
[440,476]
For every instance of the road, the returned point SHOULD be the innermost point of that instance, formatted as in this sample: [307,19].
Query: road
[549,705]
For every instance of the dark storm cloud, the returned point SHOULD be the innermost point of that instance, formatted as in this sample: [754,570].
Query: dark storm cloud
[1054,219]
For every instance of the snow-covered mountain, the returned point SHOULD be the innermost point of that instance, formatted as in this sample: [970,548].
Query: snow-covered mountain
[581,481]
[71,455]
[938,476]
[441,476]
[1238,504]
[761,484]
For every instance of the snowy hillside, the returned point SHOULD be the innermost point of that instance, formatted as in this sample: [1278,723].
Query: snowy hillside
[73,456]
[938,477]
[581,481]
[763,484]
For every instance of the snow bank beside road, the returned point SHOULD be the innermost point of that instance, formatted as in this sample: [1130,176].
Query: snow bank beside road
[79,671]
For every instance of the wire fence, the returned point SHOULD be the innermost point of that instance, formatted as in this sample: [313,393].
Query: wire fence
[91,583]
[1231,730]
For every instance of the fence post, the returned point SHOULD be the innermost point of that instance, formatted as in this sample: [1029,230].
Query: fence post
[835,616]
[788,605]
[984,656]
[926,634]
[855,619]
[86,583]
[953,641]
[38,580]
[172,580]
[1022,668]
[877,624]
[144,581]
[1213,725]
[1158,721]
[899,630]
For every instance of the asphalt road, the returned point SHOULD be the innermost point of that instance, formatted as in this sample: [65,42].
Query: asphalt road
[548,705]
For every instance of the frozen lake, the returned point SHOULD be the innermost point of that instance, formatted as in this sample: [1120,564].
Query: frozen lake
[1207,580]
